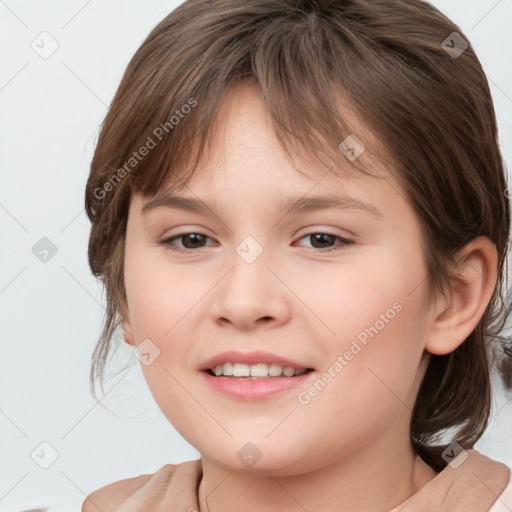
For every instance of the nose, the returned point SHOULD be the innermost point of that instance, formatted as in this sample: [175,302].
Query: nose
[251,294]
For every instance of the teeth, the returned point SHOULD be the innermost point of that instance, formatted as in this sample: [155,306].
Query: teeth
[274,370]
[241,370]
[260,370]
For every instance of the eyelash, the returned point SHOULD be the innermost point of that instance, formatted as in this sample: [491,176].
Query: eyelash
[344,241]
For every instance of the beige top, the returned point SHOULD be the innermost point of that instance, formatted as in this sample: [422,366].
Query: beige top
[186,477]
[503,502]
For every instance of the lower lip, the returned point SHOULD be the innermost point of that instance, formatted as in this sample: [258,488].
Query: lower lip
[247,389]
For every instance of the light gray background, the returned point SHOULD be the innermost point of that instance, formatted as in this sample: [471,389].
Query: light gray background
[51,110]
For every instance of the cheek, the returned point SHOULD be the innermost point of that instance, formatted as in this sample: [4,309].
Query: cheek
[370,386]
[161,300]
[372,337]
[376,295]
[159,294]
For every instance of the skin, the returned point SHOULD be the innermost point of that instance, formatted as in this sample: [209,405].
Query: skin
[348,449]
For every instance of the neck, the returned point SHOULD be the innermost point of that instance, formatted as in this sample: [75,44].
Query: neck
[368,480]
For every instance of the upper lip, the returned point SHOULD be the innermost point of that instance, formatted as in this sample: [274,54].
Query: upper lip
[255,357]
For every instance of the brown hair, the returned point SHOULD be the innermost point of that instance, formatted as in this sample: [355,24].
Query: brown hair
[405,74]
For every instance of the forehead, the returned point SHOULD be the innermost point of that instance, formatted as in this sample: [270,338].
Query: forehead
[244,129]
[246,158]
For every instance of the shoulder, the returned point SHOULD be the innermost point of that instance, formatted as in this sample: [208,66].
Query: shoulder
[503,502]
[493,472]
[110,497]
[475,479]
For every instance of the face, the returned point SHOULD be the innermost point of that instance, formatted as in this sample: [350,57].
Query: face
[337,289]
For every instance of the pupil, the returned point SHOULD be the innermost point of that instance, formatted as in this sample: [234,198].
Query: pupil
[323,236]
[197,236]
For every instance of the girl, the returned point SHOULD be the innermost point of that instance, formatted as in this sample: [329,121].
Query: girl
[351,376]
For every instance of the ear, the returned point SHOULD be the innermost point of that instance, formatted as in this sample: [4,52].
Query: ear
[457,315]
[128,332]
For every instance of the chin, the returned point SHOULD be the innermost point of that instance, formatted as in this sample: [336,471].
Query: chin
[249,459]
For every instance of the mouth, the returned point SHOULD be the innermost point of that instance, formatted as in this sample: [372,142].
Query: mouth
[255,382]
[259,371]
[255,375]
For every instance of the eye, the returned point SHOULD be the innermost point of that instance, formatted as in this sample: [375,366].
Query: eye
[193,240]
[325,239]
[320,241]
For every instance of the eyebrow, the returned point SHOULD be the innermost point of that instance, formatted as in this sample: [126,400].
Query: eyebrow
[288,206]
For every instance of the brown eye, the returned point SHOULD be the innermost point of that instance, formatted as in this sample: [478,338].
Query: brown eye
[324,241]
[190,241]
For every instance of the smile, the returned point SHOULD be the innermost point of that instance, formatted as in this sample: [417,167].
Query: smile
[255,371]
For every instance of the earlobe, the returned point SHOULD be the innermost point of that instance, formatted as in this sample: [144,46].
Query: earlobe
[128,333]
[126,324]
[456,316]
